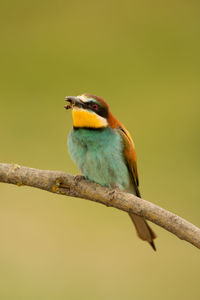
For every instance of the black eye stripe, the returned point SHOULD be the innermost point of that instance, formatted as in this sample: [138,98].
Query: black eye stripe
[91,103]
[101,111]
[94,105]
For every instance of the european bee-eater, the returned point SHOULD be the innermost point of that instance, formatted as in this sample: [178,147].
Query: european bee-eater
[103,150]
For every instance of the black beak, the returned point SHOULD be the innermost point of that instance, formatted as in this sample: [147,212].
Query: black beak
[73,101]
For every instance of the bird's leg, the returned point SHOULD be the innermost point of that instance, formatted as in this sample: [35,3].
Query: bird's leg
[111,194]
[79,178]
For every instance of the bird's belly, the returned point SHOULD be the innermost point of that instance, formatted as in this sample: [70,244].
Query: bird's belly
[102,163]
[107,169]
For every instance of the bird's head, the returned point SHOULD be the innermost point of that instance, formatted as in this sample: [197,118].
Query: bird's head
[89,111]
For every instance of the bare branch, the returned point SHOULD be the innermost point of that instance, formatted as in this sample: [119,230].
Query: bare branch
[76,186]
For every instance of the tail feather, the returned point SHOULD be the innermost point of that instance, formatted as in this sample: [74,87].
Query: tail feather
[143,230]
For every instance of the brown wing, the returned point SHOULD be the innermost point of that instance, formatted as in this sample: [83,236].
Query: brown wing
[131,159]
[144,231]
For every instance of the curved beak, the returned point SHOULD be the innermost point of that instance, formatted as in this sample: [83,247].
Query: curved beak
[73,101]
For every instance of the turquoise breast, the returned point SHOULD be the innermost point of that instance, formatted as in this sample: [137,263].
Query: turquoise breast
[99,156]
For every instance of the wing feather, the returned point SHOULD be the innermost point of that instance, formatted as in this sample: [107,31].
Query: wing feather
[144,231]
[130,156]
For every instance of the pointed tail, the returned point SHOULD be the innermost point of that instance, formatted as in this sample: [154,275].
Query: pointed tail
[143,230]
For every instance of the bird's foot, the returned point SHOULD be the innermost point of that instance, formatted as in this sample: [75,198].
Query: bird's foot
[114,190]
[112,194]
[79,178]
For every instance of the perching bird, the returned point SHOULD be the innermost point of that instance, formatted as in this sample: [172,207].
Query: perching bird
[104,151]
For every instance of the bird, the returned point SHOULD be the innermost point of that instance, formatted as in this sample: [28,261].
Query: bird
[104,151]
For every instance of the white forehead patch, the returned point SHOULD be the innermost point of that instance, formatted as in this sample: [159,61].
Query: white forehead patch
[83,98]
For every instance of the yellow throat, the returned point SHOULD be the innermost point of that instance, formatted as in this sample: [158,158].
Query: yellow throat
[85,118]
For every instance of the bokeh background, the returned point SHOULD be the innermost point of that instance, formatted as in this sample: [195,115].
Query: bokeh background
[143,58]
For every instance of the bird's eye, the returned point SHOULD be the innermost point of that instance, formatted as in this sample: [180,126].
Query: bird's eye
[94,106]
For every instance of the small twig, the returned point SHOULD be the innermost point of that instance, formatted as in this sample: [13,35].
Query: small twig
[76,186]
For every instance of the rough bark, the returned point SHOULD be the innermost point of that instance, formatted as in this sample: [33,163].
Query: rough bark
[76,186]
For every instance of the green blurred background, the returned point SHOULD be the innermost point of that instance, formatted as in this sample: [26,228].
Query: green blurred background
[143,58]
